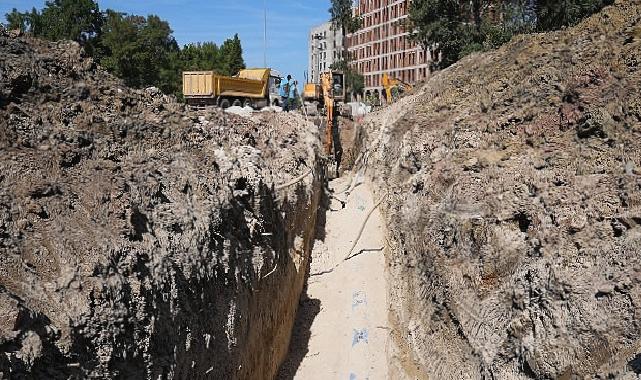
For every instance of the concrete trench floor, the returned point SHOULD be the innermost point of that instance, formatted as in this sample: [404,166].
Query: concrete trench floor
[342,329]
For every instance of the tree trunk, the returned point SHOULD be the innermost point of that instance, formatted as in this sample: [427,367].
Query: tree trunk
[476,12]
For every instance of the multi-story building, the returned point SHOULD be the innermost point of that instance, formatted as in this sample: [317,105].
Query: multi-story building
[383,45]
[325,48]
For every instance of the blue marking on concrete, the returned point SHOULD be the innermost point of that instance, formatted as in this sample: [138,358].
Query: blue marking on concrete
[358,298]
[360,336]
[352,376]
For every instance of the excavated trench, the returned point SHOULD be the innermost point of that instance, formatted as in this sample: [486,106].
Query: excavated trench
[341,329]
[142,240]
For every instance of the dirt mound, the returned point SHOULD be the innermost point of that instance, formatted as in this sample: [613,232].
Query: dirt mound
[514,207]
[139,240]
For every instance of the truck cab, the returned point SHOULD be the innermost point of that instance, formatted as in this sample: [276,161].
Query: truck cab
[275,78]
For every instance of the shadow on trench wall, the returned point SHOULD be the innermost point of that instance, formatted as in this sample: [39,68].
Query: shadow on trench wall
[308,309]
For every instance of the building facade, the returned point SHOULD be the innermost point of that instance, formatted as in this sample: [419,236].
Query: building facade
[383,45]
[325,48]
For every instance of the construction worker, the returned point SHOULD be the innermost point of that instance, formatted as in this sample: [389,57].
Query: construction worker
[285,90]
[293,96]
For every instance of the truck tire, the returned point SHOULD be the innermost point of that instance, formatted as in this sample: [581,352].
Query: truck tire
[248,103]
[237,103]
[224,103]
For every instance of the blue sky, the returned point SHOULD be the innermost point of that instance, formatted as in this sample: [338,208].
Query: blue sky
[288,23]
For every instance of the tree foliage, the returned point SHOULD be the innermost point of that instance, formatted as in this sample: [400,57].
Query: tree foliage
[439,26]
[555,14]
[451,29]
[230,56]
[20,21]
[201,56]
[343,19]
[78,20]
[140,50]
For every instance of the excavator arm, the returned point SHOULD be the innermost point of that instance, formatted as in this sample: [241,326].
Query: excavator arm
[389,83]
[328,96]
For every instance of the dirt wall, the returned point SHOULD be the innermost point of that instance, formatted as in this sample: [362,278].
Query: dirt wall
[141,240]
[514,210]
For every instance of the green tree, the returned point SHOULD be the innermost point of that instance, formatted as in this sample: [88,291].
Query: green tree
[343,19]
[17,20]
[201,56]
[555,14]
[140,50]
[451,29]
[26,22]
[77,20]
[231,56]
[437,25]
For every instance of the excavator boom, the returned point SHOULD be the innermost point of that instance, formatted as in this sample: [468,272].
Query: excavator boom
[328,96]
[389,83]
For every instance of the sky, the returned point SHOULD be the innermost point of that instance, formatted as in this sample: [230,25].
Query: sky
[288,24]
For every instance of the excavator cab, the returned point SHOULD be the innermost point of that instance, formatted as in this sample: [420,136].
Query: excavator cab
[315,94]
[338,86]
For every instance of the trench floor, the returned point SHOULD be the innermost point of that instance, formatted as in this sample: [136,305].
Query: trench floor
[342,329]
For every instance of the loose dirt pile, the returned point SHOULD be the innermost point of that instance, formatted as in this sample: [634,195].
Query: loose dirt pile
[514,208]
[138,240]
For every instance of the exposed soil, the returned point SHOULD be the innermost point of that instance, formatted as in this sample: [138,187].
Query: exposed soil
[139,240]
[142,240]
[515,208]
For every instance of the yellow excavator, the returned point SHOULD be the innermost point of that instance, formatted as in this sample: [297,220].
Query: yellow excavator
[333,91]
[390,84]
[313,93]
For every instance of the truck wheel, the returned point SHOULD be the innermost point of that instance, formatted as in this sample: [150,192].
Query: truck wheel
[237,103]
[247,103]
[224,103]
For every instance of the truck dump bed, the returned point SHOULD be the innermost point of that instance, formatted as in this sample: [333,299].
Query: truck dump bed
[198,84]
[248,88]
[250,83]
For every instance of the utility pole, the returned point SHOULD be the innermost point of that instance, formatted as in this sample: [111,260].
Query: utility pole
[265,34]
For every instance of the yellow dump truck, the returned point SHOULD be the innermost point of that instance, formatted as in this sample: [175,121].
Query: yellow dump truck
[256,88]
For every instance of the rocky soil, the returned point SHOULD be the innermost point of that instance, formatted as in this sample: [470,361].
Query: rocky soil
[140,240]
[514,208]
